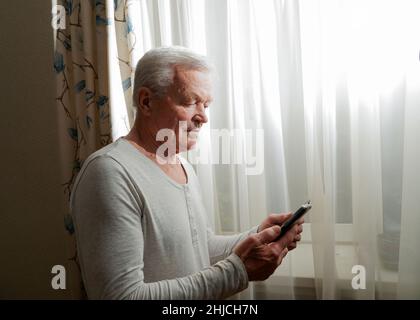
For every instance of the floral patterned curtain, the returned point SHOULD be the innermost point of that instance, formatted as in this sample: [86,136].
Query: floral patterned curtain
[94,69]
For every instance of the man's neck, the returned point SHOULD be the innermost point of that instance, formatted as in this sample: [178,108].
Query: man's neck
[147,142]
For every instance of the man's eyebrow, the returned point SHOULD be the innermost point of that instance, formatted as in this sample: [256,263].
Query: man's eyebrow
[196,97]
[206,99]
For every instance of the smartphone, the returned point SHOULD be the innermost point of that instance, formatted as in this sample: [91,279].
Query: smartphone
[291,221]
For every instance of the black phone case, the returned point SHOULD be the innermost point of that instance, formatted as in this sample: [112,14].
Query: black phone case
[290,222]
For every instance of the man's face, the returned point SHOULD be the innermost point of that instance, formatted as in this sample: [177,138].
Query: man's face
[186,100]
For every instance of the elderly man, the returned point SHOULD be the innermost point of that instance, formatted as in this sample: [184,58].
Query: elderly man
[140,223]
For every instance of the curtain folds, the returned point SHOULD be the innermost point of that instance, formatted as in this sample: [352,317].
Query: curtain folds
[360,83]
[93,76]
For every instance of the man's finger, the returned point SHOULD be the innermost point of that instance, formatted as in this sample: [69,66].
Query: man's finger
[245,246]
[268,235]
[287,238]
[301,220]
[292,246]
[279,218]
[299,229]
[282,255]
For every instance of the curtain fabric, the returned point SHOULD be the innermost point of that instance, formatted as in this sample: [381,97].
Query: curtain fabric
[360,80]
[93,79]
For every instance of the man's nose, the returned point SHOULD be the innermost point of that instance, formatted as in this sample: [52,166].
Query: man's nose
[202,113]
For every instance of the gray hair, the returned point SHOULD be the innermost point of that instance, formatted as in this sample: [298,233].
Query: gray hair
[156,69]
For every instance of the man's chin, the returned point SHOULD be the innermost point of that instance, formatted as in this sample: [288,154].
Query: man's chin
[192,139]
[191,143]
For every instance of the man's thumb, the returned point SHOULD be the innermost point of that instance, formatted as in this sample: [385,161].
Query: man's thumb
[286,216]
[269,235]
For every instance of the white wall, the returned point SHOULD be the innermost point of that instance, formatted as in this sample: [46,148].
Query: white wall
[31,215]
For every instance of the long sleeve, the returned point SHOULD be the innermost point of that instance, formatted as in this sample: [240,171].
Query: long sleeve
[221,247]
[107,211]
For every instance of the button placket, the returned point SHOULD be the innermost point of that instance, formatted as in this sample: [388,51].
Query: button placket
[193,225]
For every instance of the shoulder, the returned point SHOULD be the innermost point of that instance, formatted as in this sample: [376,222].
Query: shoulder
[103,180]
[109,159]
[101,163]
[102,167]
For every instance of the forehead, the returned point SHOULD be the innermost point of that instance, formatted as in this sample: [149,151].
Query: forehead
[193,83]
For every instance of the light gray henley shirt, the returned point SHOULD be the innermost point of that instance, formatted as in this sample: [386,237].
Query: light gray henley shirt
[141,235]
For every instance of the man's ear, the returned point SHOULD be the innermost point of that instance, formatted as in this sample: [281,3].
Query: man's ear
[144,101]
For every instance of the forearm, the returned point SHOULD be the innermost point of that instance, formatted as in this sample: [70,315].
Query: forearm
[219,281]
[221,246]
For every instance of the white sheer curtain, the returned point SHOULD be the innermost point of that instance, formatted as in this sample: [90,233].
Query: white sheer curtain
[335,87]
[360,79]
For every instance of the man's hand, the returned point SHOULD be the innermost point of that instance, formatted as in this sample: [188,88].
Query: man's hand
[279,219]
[260,255]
